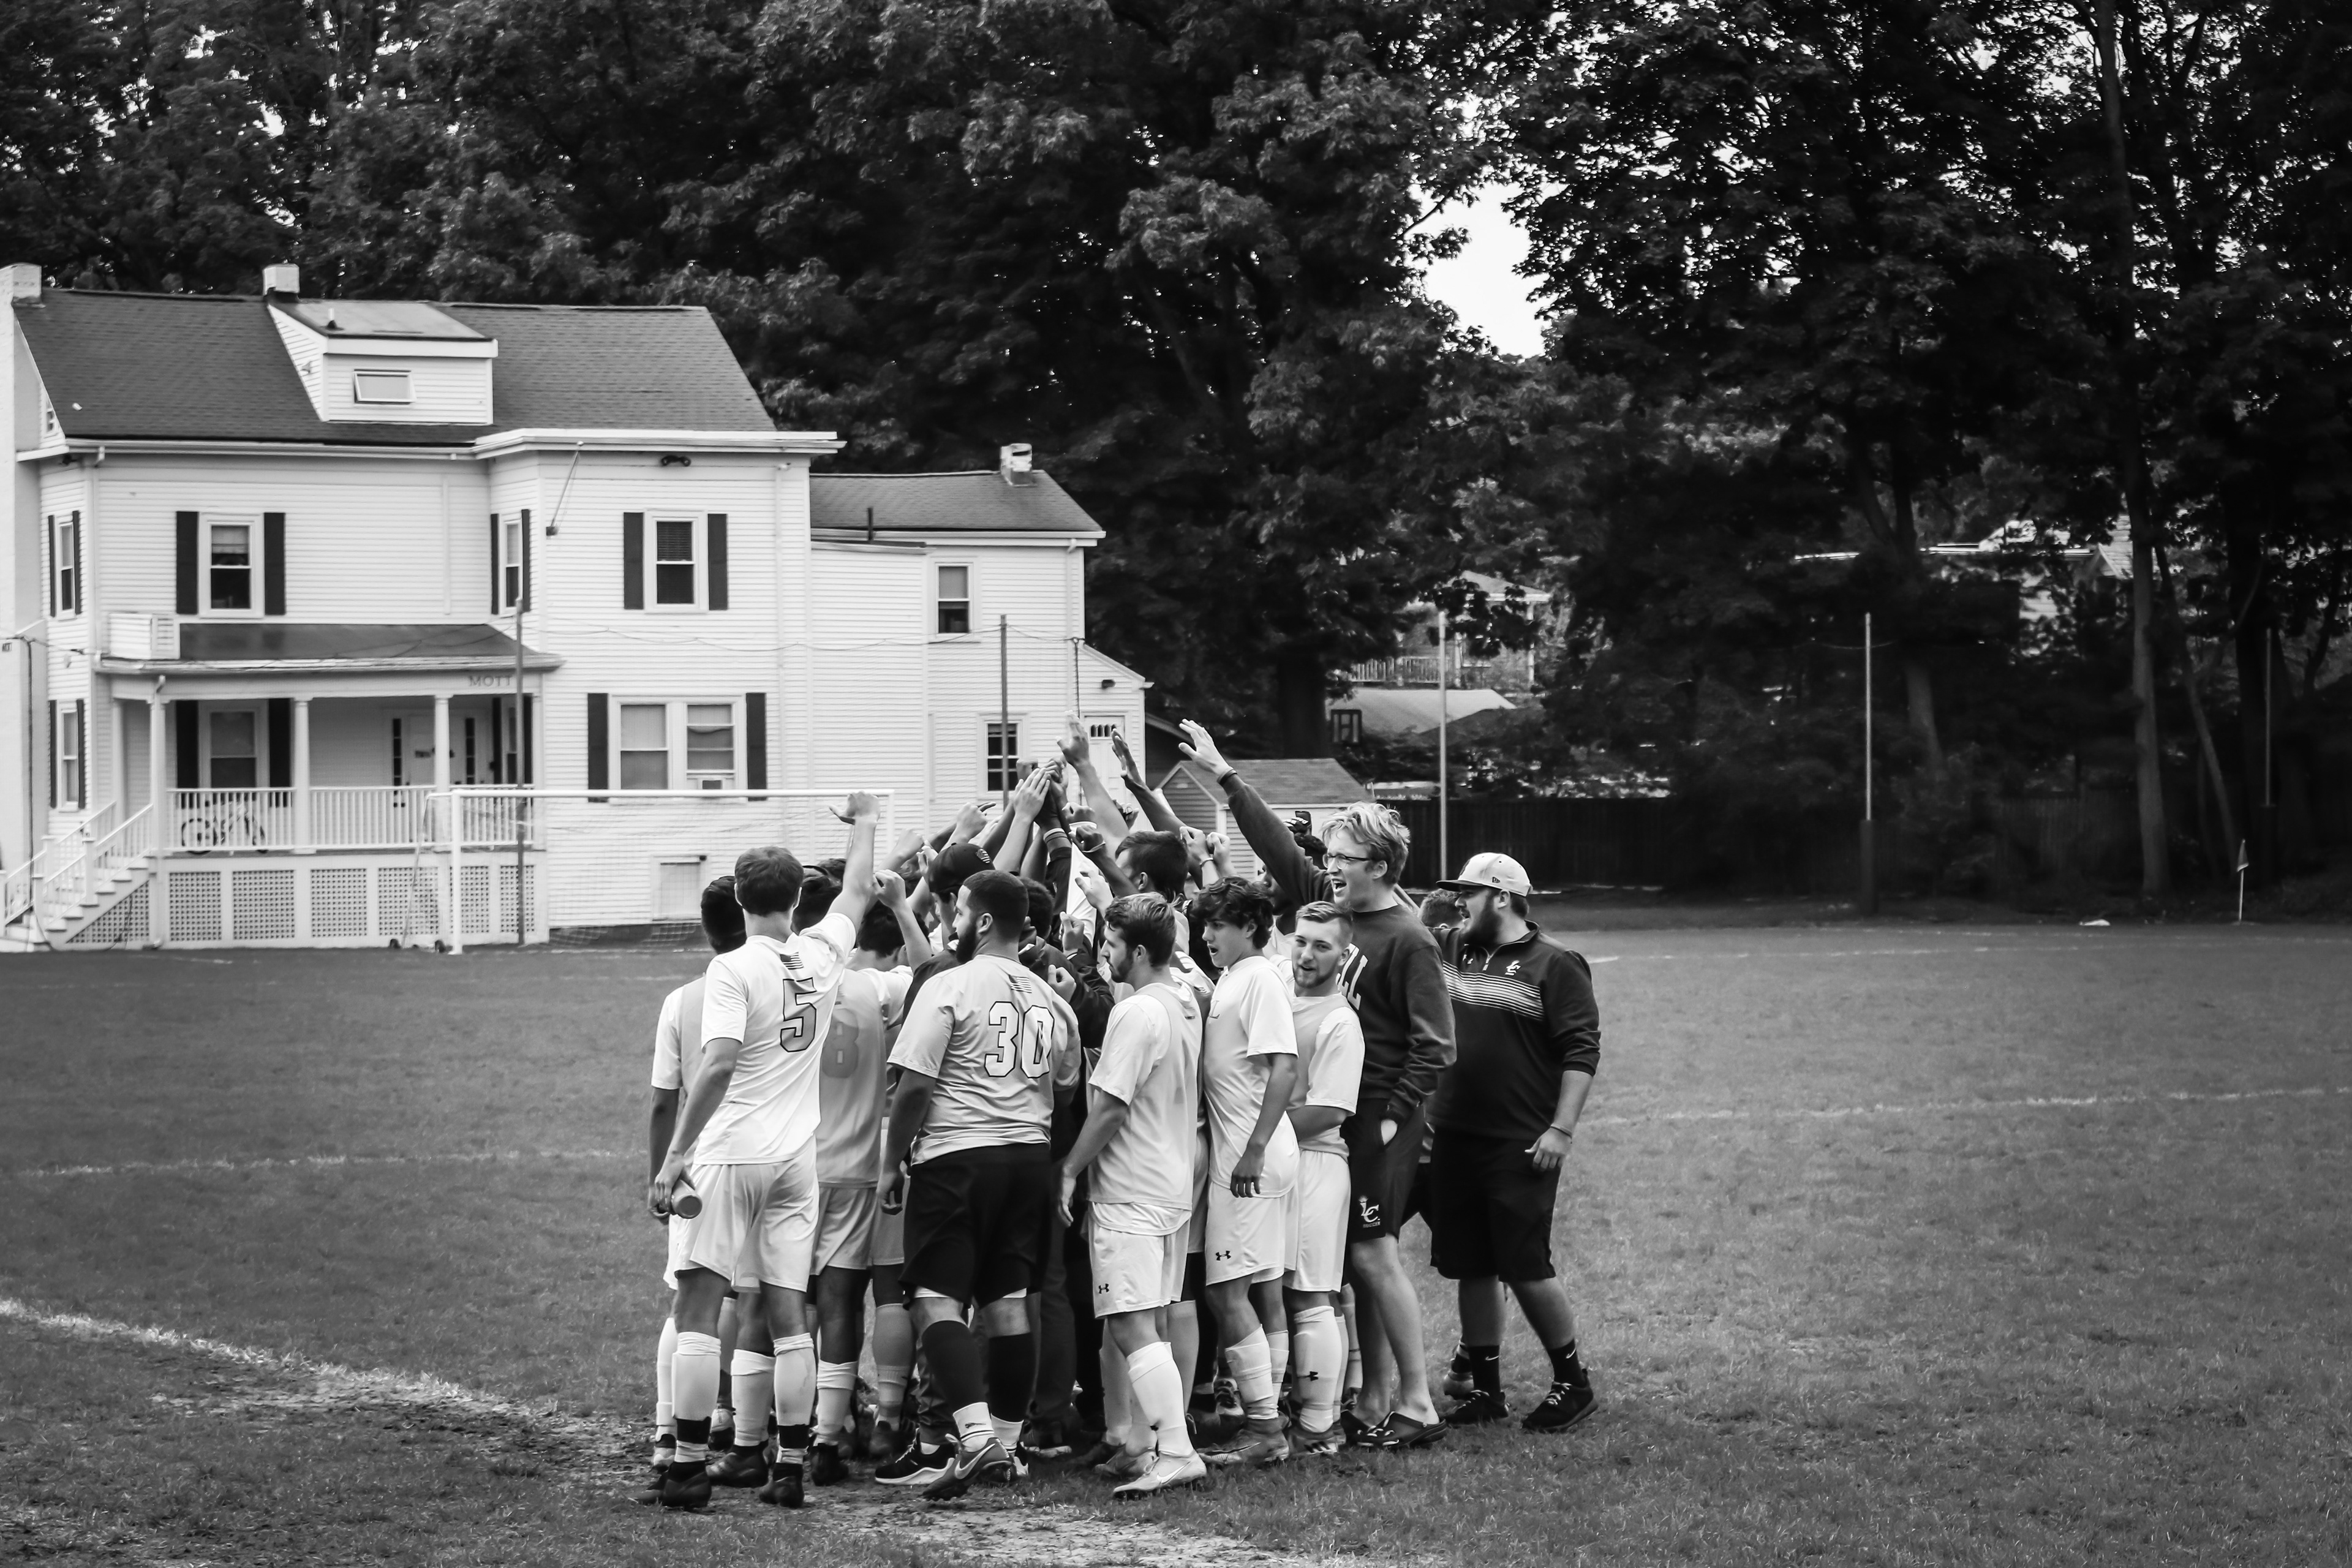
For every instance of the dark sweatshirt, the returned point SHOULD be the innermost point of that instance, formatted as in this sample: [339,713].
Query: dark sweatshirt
[1394,978]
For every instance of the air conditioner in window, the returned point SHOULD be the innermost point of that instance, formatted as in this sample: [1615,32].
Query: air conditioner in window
[710,781]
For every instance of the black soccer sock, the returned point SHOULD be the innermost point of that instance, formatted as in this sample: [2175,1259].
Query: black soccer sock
[1011,1375]
[1565,1366]
[694,1436]
[1486,1367]
[954,1356]
[791,1445]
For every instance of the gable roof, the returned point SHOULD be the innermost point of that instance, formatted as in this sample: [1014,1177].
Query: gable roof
[1281,781]
[980,501]
[210,367]
[1414,710]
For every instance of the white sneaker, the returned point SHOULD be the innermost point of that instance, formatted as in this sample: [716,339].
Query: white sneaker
[1166,1472]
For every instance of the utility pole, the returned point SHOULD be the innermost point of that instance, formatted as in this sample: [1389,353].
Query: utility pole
[1004,713]
[1869,774]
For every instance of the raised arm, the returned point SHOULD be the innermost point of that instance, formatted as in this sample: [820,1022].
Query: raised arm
[1156,809]
[857,895]
[913,947]
[1021,820]
[1278,854]
[1079,752]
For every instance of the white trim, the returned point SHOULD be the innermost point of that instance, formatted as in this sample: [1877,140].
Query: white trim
[805,443]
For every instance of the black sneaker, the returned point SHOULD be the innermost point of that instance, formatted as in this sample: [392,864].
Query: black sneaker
[1459,1385]
[740,1468]
[649,1495]
[1478,1410]
[1400,1432]
[1563,1407]
[825,1466]
[989,1462]
[783,1489]
[916,1465]
[687,1487]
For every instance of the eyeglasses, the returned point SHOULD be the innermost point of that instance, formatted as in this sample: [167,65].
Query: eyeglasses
[1352,859]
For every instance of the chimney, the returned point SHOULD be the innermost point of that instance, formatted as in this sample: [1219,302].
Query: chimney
[1013,463]
[283,279]
[24,280]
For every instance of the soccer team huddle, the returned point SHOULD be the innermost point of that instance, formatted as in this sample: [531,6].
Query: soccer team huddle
[1092,1118]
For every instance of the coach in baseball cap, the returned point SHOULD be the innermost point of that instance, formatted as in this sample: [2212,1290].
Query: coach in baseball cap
[1526,1039]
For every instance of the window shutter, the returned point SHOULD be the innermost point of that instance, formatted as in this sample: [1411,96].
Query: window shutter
[54,768]
[718,560]
[498,600]
[48,554]
[81,577]
[633,561]
[600,756]
[526,558]
[273,563]
[186,601]
[529,706]
[281,742]
[82,752]
[755,740]
[190,768]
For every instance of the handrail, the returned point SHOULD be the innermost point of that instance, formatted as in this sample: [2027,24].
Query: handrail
[74,881]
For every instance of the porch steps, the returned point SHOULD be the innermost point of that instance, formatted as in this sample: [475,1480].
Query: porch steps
[60,926]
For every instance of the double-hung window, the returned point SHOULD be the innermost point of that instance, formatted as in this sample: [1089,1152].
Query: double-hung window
[1003,752]
[229,566]
[662,744]
[954,600]
[511,560]
[69,760]
[65,542]
[645,745]
[710,744]
[673,560]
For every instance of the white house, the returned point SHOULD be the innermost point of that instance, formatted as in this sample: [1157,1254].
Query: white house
[285,572]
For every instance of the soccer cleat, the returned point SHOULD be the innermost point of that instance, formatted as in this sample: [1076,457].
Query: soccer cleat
[825,1466]
[687,1487]
[1229,1401]
[986,1463]
[1459,1384]
[1102,1453]
[1048,1440]
[886,1438]
[665,1450]
[1478,1410]
[1563,1407]
[917,1464]
[783,1489]
[1356,1432]
[1400,1432]
[1167,1472]
[1125,1464]
[740,1468]
[1305,1444]
[1259,1446]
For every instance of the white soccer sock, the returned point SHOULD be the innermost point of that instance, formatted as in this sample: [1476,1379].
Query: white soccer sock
[836,1389]
[1118,1408]
[1277,1351]
[894,1360]
[755,1381]
[1159,1393]
[665,1386]
[1253,1366]
[1321,1350]
[1008,1433]
[695,1368]
[795,1393]
[975,1428]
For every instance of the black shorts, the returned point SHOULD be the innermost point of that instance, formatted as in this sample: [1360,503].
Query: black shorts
[1380,1176]
[977,1222]
[1489,1209]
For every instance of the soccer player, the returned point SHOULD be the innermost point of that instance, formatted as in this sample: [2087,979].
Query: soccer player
[985,1048]
[1330,1067]
[1529,1035]
[849,1158]
[681,1020]
[1142,1104]
[1397,986]
[748,1131]
[1249,1065]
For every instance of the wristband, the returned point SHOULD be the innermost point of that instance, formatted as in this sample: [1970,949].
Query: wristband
[1567,1132]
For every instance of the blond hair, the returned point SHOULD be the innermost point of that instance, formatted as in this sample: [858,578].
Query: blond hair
[1380,832]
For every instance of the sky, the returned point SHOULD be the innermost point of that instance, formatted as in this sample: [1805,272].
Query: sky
[1479,285]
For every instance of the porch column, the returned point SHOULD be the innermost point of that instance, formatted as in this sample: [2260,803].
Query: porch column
[118,766]
[452,916]
[303,843]
[159,776]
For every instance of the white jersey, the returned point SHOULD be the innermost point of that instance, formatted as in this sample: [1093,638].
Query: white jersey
[1330,1062]
[1151,1062]
[998,1040]
[681,1020]
[1249,1024]
[849,1076]
[777,998]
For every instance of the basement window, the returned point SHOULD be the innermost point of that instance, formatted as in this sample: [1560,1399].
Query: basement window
[380,386]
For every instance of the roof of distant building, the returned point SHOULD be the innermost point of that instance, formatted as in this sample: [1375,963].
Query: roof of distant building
[212,367]
[1412,711]
[1281,781]
[979,501]
[342,646]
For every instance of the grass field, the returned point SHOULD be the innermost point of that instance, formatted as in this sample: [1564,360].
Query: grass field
[1892,1245]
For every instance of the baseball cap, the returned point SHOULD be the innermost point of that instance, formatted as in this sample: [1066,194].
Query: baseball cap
[1491,871]
[955,865]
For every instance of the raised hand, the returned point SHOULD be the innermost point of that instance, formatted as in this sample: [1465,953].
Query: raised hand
[1030,798]
[1126,758]
[1076,749]
[889,889]
[863,807]
[969,821]
[1201,747]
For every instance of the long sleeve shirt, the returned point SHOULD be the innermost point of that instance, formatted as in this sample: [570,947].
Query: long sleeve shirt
[1523,1014]
[1393,978]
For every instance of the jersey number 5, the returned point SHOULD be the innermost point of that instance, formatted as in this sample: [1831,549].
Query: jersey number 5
[798,1031]
[1023,1034]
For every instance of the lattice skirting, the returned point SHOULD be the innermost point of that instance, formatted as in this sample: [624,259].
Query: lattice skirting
[340,903]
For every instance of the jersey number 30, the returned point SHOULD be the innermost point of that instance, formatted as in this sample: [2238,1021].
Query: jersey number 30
[1023,1034]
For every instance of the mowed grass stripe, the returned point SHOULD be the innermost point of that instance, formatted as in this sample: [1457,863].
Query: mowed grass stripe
[317,1163]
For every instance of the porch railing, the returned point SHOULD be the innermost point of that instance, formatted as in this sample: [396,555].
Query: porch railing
[368,816]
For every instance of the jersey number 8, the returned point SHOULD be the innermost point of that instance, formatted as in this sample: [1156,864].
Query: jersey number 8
[1025,1033]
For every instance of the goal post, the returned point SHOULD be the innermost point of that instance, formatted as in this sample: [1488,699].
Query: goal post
[603,853]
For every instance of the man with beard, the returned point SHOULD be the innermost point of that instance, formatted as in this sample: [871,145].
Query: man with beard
[1528,1034]
[983,1053]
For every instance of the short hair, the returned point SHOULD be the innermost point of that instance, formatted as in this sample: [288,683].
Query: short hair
[1244,904]
[1381,831]
[1324,911]
[818,892]
[878,931]
[1044,912]
[954,864]
[768,880]
[1158,859]
[722,916]
[999,896]
[1144,920]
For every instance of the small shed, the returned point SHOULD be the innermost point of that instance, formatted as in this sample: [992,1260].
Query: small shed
[1315,785]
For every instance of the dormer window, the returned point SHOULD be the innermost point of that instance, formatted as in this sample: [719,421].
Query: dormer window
[380,386]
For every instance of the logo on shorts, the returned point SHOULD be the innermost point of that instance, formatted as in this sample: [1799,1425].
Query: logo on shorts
[1367,1209]
[1225,1257]
[1103,1288]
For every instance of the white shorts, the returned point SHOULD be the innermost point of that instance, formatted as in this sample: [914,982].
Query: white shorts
[889,1248]
[674,1236]
[758,1221]
[1318,1221]
[1196,1235]
[1135,1273]
[845,1229]
[1251,1239]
